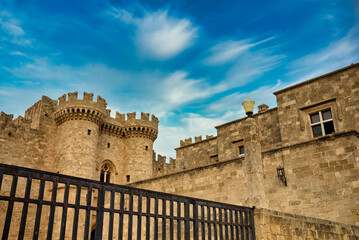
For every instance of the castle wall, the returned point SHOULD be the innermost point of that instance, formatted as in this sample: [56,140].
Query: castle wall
[212,182]
[278,225]
[28,142]
[338,91]
[199,153]
[322,176]
[231,135]
[322,179]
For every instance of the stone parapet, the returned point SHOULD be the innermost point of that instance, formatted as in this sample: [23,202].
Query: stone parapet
[72,108]
[77,109]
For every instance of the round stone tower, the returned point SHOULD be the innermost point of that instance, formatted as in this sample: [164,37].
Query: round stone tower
[78,128]
[139,137]
[91,142]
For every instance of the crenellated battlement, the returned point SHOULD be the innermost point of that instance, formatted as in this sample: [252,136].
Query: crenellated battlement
[72,99]
[160,165]
[72,108]
[131,127]
[8,122]
[198,139]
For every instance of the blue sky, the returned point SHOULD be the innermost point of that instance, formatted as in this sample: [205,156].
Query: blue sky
[191,63]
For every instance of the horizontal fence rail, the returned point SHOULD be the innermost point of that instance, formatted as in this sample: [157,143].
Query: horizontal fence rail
[42,205]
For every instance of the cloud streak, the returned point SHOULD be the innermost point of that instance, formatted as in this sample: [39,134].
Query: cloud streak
[158,35]
[228,51]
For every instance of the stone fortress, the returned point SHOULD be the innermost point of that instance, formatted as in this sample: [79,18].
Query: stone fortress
[301,157]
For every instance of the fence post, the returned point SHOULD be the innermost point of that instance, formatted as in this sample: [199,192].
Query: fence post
[253,234]
[99,216]
[195,220]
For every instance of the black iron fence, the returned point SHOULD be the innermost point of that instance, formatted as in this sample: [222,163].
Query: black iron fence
[43,205]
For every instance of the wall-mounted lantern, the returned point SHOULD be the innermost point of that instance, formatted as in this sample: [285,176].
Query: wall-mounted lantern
[248,106]
[281,175]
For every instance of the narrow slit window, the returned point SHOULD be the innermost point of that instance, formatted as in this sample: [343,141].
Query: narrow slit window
[108,145]
[241,150]
[128,178]
[146,147]
[88,132]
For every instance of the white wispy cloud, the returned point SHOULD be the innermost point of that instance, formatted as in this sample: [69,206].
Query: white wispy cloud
[251,66]
[339,53]
[12,30]
[228,51]
[180,89]
[233,103]
[158,35]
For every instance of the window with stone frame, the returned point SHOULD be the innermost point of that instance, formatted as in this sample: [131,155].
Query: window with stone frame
[241,150]
[238,147]
[105,175]
[322,123]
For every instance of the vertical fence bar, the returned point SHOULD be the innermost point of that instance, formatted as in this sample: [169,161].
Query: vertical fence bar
[195,220]
[225,212]
[24,209]
[10,208]
[215,224]
[39,210]
[139,217]
[236,221]
[76,215]
[187,224]
[50,225]
[156,219]
[88,212]
[242,227]
[171,220]
[163,219]
[130,216]
[1,176]
[231,223]
[148,218]
[202,223]
[253,237]
[246,225]
[120,221]
[178,220]
[112,206]
[64,211]
[220,225]
[99,215]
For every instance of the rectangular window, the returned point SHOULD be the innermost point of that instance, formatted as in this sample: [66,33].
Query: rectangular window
[146,148]
[108,145]
[241,150]
[322,123]
[128,178]
[89,132]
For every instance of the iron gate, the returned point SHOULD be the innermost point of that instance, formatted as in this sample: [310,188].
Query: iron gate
[65,207]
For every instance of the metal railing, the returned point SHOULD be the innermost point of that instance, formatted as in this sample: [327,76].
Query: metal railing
[65,207]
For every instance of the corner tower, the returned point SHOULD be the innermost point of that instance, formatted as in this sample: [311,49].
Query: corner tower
[78,128]
[90,141]
[137,137]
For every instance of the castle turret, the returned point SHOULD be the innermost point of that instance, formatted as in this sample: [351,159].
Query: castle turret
[78,130]
[138,136]
[89,139]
